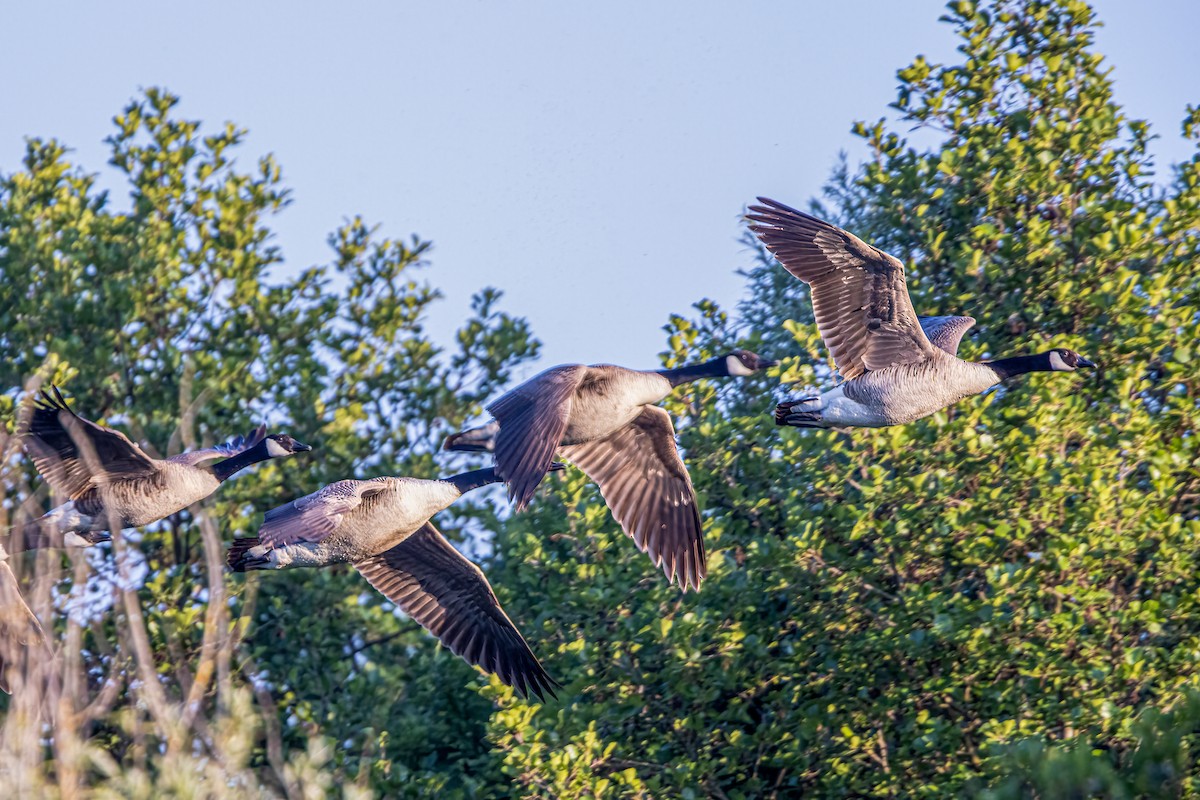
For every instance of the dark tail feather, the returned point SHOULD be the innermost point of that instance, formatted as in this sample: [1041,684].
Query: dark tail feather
[237,552]
[785,416]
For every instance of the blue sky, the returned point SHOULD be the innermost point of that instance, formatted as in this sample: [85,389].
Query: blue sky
[591,161]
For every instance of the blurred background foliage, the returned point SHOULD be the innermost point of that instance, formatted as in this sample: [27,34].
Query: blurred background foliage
[1000,600]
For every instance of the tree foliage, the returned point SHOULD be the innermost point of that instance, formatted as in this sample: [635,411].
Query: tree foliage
[999,600]
[911,611]
[166,320]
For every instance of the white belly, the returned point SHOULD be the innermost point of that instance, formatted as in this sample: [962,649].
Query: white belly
[837,409]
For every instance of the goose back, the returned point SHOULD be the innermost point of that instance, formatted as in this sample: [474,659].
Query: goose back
[139,501]
[608,398]
[352,520]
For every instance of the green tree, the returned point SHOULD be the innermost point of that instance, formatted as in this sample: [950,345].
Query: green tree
[891,612]
[172,319]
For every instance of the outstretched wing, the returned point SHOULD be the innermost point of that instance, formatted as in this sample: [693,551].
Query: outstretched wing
[450,597]
[533,418]
[315,516]
[859,296]
[946,332]
[238,444]
[647,487]
[73,453]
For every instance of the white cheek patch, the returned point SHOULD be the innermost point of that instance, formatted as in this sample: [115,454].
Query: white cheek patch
[1057,364]
[276,450]
[736,368]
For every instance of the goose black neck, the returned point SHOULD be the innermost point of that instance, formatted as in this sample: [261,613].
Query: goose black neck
[466,481]
[694,372]
[1019,365]
[227,468]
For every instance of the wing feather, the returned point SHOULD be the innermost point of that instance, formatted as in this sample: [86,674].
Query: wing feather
[450,597]
[646,486]
[859,295]
[533,418]
[236,445]
[74,454]
[946,332]
[315,516]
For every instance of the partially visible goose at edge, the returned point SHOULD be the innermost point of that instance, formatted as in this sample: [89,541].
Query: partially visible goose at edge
[381,526]
[19,628]
[897,367]
[108,477]
[602,419]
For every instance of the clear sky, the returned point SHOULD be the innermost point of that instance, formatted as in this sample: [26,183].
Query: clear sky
[591,161]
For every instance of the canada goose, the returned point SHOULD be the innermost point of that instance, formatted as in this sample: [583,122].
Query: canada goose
[106,476]
[897,367]
[602,419]
[382,527]
[19,628]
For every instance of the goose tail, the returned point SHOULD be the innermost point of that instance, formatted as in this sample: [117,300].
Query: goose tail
[802,413]
[239,558]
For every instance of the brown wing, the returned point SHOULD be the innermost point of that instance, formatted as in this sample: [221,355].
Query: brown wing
[236,445]
[533,418]
[19,628]
[859,295]
[450,597]
[649,492]
[74,454]
[946,332]
[315,516]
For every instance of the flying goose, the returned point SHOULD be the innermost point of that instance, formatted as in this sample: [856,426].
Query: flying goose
[897,367]
[602,419]
[19,628]
[381,526]
[106,476]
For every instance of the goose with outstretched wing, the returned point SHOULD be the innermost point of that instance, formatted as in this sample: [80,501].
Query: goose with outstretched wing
[603,419]
[381,527]
[108,479]
[897,366]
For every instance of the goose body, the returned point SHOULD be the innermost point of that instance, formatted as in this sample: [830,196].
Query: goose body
[381,526]
[899,394]
[603,419]
[109,478]
[608,398]
[898,367]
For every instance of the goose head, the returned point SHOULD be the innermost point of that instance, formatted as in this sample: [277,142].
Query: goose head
[1063,360]
[741,363]
[280,445]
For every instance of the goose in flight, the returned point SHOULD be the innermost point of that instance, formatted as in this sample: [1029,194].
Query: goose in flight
[381,526]
[603,419]
[897,367]
[108,477]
